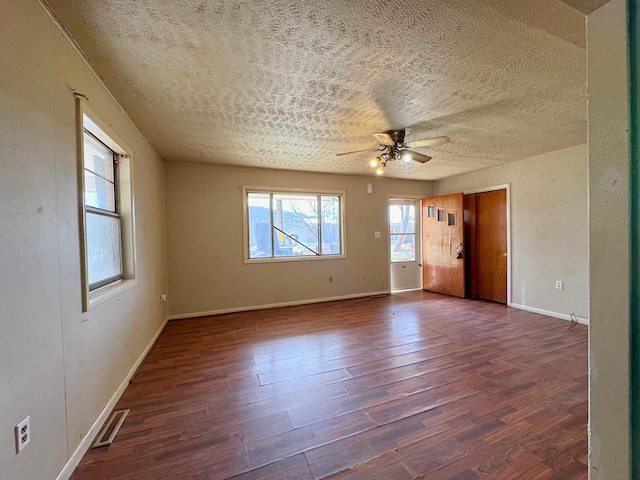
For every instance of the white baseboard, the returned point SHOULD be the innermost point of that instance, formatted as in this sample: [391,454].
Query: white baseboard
[74,460]
[274,305]
[583,321]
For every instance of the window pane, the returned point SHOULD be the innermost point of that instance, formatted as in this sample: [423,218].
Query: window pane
[296,220]
[103,248]
[98,158]
[285,225]
[259,225]
[99,193]
[403,248]
[402,218]
[331,244]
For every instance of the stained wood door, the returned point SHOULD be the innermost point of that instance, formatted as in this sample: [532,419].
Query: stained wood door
[443,234]
[491,245]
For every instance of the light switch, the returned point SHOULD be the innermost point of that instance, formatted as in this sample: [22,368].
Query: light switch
[376,234]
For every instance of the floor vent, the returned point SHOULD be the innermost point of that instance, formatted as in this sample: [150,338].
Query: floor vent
[110,429]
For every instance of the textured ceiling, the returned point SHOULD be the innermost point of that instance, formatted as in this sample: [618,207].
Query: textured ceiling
[586,6]
[291,83]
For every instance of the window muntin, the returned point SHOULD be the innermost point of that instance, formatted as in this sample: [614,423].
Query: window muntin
[402,232]
[102,216]
[293,224]
[99,175]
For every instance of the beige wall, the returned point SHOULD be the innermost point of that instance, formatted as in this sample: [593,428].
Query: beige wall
[204,235]
[59,365]
[549,227]
[609,242]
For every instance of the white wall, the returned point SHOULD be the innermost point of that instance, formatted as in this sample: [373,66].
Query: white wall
[609,242]
[549,227]
[57,364]
[204,235]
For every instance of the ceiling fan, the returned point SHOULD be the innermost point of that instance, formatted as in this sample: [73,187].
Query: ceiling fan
[393,147]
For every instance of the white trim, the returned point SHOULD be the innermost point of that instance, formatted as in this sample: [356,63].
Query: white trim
[407,290]
[275,305]
[87,119]
[418,237]
[548,313]
[505,186]
[86,442]
[275,190]
[107,292]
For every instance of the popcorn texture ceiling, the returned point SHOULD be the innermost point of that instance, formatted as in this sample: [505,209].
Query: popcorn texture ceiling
[290,83]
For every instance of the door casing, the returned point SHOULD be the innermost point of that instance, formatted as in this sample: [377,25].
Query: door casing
[418,227]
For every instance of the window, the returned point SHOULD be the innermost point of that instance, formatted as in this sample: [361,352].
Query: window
[107,212]
[293,225]
[102,217]
[402,223]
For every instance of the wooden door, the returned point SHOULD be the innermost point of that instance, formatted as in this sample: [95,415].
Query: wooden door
[443,235]
[491,246]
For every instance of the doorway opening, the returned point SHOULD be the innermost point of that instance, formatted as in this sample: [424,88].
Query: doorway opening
[405,244]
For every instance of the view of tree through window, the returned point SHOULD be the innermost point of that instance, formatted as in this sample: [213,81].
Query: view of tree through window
[403,237]
[293,225]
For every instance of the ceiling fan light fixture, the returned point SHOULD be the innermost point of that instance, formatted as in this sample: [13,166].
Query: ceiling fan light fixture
[379,170]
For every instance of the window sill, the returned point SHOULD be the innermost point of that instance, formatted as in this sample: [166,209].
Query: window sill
[293,259]
[108,292]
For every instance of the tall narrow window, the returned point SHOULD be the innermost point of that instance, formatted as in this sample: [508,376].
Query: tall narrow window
[293,225]
[107,213]
[102,217]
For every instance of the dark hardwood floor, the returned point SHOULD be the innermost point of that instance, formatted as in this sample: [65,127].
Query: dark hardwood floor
[409,386]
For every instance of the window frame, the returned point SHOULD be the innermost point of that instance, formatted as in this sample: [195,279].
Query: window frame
[88,121]
[93,210]
[413,234]
[246,190]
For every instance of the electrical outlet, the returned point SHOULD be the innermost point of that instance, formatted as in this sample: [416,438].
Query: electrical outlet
[376,234]
[23,434]
[163,298]
[558,284]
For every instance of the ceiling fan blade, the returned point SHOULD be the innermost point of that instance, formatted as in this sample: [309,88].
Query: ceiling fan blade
[427,142]
[415,156]
[358,151]
[390,137]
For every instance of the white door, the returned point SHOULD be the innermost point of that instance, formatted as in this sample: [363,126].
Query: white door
[405,244]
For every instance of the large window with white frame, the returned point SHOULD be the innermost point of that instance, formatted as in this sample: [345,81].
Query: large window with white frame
[283,225]
[107,212]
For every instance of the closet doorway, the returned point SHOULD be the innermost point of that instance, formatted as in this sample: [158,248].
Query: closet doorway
[486,240]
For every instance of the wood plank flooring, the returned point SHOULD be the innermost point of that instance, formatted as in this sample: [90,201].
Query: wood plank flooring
[410,386]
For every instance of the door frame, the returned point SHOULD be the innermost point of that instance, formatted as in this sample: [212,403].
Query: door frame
[418,226]
[507,187]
